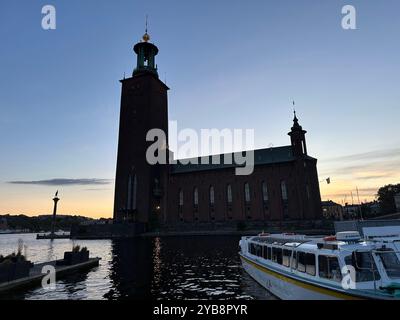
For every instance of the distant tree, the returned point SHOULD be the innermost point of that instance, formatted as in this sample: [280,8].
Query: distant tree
[386,198]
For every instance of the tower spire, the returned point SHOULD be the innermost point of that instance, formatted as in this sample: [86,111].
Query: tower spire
[146,52]
[146,36]
[294,112]
[297,136]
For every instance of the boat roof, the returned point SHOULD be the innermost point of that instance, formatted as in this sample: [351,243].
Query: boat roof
[312,242]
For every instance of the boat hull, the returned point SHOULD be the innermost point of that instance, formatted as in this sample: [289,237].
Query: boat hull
[286,288]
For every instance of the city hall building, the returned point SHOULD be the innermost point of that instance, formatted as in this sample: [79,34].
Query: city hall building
[283,186]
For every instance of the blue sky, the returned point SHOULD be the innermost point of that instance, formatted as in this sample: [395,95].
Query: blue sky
[229,64]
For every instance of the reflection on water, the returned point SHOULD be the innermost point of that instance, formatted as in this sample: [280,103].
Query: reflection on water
[159,268]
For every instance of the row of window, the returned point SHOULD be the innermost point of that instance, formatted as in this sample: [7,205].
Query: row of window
[229,193]
[328,266]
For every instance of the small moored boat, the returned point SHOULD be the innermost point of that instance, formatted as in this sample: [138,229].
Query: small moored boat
[299,267]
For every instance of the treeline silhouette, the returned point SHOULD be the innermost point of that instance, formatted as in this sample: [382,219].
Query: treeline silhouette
[41,223]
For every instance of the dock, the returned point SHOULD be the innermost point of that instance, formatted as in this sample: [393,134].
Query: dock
[35,275]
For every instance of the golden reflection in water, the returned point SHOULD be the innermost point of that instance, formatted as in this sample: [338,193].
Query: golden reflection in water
[157,261]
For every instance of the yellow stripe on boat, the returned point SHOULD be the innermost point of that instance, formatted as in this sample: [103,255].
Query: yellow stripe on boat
[302,284]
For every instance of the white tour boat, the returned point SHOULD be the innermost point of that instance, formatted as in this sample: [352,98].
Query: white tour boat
[299,267]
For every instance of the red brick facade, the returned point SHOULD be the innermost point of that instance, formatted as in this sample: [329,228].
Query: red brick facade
[283,186]
[298,176]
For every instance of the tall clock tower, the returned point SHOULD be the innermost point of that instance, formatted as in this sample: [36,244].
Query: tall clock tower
[139,186]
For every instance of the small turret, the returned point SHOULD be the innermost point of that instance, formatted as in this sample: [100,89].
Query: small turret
[298,138]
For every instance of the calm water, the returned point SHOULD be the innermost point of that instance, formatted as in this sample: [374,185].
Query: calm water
[161,268]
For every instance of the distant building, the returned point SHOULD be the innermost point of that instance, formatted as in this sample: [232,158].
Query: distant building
[373,208]
[101,221]
[351,211]
[332,210]
[397,202]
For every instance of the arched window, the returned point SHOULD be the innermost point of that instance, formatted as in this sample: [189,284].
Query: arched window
[180,197]
[247,195]
[132,190]
[212,196]
[229,194]
[129,193]
[264,191]
[196,197]
[284,190]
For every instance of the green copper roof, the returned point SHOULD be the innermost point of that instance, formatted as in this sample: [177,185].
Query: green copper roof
[261,157]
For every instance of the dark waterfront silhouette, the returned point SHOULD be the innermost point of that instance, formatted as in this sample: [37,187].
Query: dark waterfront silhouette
[157,268]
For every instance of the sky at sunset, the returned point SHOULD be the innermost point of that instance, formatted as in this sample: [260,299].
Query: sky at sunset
[229,64]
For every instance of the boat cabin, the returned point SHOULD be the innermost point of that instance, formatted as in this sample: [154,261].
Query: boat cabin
[328,260]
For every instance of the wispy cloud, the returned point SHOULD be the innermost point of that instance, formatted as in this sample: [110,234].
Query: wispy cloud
[368,156]
[64,182]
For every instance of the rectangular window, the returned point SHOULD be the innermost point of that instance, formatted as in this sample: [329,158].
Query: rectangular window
[265,252]
[286,257]
[301,261]
[294,261]
[391,263]
[269,253]
[329,268]
[364,267]
[277,255]
[310,264]
[259,250]
[252,249]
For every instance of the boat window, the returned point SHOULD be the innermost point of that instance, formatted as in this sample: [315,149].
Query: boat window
[286,257]
[329,268]
[306,263]
[390,262]
[310,264]
[252,249]
[364,266]
[269,253]
[265,252]
[294,261]
[301,261]
[258,250]
[277,255]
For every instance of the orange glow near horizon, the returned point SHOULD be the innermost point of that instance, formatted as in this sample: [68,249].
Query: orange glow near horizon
[96,201]
[92,203]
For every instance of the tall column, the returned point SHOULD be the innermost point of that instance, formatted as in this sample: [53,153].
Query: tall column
[53,224]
